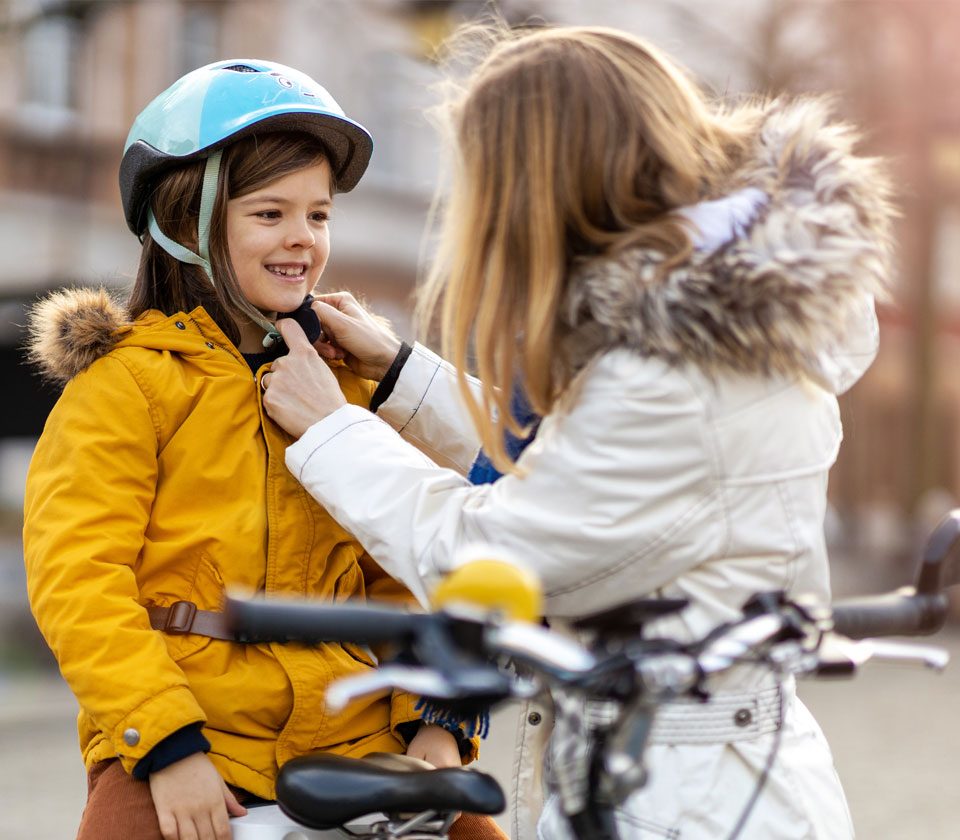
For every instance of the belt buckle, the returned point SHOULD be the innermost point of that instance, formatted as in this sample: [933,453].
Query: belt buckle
[180,618]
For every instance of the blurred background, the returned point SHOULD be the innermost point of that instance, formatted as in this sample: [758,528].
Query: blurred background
[74,73]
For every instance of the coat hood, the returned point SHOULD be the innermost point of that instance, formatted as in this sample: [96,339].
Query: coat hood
[779,293]
[72,328]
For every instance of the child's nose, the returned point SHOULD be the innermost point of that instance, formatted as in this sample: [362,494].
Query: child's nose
[299,235]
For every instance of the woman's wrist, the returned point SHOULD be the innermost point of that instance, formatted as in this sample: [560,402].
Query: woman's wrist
[388,358]
[389,378]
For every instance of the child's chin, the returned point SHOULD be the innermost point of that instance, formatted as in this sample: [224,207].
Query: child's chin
[284,303]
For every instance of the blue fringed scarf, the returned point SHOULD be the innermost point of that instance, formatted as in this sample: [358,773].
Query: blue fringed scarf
[483,471]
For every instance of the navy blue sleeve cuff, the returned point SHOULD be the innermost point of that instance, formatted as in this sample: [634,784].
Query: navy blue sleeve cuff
[180,744]
[386,386]
[411,727]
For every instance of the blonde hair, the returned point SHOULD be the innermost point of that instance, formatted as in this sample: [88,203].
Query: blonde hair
[569,142]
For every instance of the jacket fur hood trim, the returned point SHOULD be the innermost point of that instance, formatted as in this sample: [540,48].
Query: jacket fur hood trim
[770,299]
[70,329]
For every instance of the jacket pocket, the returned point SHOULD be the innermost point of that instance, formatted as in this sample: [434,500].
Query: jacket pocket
[206,592]
[361,653]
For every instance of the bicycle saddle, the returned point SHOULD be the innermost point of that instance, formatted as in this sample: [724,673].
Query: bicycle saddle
[326,791]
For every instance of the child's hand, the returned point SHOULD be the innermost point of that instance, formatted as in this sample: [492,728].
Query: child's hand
[299,389]
[353,334]
[435,745]
[192,800]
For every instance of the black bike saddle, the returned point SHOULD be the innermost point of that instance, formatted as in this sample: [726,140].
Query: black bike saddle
[326,791]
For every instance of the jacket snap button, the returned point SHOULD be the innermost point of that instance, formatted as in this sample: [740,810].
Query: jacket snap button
[534,718]
[180,325]
[210,345]
[131,737]
[742,717]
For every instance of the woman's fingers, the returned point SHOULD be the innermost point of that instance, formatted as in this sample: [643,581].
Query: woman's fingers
[369,347]
[339,300]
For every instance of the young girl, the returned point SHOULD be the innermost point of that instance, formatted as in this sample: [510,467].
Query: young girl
[679,291]
[158,480]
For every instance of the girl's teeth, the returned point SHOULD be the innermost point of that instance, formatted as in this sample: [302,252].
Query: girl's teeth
[287,272]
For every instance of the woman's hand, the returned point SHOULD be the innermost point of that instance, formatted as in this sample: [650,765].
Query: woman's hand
[436,746]
[355,335]
[299,389]
[192,800]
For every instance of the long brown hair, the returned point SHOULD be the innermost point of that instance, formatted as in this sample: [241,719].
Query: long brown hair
[569,142]
[171,286]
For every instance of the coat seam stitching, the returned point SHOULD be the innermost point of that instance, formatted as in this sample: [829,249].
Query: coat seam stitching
[323,443]
[139,381]
[423,396]
[640,555]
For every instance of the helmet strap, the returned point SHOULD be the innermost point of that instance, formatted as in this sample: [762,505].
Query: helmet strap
[208,196]
[174,249]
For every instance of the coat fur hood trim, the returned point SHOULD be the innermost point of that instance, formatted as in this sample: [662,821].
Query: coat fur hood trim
[71,329]
[780,291]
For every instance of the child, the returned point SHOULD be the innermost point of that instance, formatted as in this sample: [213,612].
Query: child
[679,291]
[158,480]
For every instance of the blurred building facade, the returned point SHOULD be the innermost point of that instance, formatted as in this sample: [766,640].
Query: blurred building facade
[74,73]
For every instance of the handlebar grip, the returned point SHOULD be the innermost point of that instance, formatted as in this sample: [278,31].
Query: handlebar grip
[266,621]
[900,613]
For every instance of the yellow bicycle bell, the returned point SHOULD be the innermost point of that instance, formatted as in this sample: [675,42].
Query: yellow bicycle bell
[492,585]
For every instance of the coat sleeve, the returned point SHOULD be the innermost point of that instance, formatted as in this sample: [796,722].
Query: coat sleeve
[426,409]
[88,499]
[618,494]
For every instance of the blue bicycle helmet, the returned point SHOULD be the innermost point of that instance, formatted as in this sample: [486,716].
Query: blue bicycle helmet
[212,107]
[222,102]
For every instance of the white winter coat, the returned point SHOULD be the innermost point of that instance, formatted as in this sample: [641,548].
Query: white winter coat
[688,459]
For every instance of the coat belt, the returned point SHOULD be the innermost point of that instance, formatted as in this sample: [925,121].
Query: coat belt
[724,718]
[183,617]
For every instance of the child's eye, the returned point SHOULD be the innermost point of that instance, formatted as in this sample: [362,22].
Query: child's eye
[320,216]
[268,214]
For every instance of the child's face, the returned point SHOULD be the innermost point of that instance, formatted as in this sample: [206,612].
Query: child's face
[278,238]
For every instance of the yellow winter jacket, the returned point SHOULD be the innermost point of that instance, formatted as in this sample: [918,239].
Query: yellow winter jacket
[159,478]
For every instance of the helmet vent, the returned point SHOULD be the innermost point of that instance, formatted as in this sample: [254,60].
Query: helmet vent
[242,68]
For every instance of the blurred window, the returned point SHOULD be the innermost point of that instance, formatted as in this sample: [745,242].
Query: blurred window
[946,281]
[50,47]
[200,35]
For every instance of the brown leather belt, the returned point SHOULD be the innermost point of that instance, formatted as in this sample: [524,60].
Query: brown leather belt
[183,617]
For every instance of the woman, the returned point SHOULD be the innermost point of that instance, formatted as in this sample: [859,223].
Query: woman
[158,481]
[680,291]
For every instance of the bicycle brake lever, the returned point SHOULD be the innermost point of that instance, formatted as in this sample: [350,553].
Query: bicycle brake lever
[422,681]
[840,656]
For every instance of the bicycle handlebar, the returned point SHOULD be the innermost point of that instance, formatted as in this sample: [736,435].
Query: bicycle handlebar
[457,644]
[312,622]
[902,613]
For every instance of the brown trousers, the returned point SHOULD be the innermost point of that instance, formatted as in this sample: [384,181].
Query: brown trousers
[119,807]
